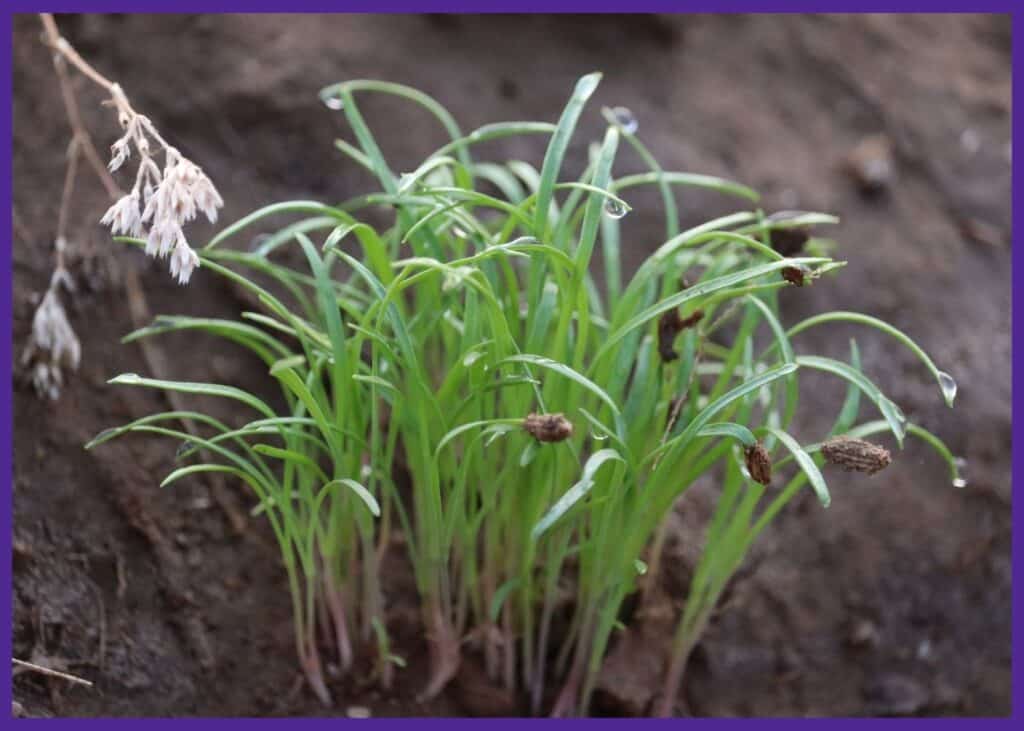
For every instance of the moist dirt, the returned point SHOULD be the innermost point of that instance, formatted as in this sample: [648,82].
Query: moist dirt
[895,601]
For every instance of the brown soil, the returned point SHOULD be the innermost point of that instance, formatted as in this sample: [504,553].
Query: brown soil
[895,601]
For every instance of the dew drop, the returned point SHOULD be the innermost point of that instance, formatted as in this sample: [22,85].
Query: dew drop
[598,437]
[898,412]
[459,232]
[614,209]
[334,102]
[961,466]
[528,454]
[948,385]
[625,118]
[893,409]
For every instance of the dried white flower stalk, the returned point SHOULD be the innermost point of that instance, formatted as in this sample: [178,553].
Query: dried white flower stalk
[164,200]
[53,344]
[155,209]
[160,202]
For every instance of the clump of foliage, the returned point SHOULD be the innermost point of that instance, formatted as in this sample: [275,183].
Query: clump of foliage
[546,409]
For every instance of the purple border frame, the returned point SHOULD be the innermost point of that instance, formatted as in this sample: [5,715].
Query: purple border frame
[471,6]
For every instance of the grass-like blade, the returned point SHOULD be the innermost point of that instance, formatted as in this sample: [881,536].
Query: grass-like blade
[577,492]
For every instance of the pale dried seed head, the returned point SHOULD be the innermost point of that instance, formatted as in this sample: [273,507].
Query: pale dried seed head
[168,198]
[52,332]
[163,236]
[120,151]
[124,216]
[183,261]
[52,344]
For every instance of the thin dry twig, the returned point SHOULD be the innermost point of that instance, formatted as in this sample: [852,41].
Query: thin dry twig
[19,227]
[52,673]
[101,649]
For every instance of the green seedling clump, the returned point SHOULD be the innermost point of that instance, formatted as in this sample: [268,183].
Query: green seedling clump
[482,377]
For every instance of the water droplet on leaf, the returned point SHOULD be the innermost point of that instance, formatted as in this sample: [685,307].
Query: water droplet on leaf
[614,209]
[961,465]
[624,117]
[334,102]
[948,385]
[528,454]
[897,412]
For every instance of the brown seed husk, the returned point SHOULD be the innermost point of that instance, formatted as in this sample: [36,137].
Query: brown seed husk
[856,455]
[759,463]
[548,427]
[794,275]
[669,326]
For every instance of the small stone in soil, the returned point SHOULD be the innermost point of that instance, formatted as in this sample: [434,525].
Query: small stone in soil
[200,502]
[871,164]
[892,694]
[864,633]
[21,548]
[358,712]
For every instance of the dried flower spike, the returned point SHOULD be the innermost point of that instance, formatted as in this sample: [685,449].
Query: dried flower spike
[759,463]
[160,201]
[855,455]
[548,427]
[669,326]
[52,345]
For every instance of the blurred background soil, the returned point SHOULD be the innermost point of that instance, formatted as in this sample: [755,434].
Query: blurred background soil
[896,601]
